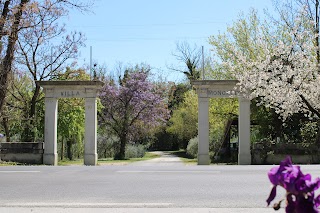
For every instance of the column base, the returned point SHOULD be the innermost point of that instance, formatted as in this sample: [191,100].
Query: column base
[50,159]
[90,159]
[244,159]
[203,159]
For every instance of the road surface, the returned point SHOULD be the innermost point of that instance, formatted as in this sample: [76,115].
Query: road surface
[161,185]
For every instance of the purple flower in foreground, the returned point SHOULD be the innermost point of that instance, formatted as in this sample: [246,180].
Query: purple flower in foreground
[300,188]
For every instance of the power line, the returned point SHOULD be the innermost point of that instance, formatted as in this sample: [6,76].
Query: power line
[148,39]
[147,25]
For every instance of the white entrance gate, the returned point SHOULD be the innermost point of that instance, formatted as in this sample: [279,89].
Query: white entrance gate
[207,89]
[70,89]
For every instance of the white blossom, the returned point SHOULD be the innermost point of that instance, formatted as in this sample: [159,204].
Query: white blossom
[285,75]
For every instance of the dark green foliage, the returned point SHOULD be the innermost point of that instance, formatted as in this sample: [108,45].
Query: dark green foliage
[164,141]
[176,95]
[270,125]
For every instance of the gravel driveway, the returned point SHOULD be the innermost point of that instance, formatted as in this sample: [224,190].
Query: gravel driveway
[165,159]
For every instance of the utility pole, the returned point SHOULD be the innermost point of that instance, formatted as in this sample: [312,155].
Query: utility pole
[90,62]
[202,63]
[51,60]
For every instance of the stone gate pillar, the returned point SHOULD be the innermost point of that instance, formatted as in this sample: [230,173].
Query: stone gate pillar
[203,131]
[207,89]
[70,89]
[90,146]
[244,154]
[50,156]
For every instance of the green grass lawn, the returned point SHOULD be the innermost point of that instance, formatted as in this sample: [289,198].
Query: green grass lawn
[4,163]
[109,161]
[104,161]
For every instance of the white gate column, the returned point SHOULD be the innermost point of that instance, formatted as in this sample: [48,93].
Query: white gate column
[244,155]
[221,89]
[70,89]
[203,131]
[50,156]
[90,146]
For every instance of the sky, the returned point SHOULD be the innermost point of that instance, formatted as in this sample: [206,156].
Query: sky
[146,31]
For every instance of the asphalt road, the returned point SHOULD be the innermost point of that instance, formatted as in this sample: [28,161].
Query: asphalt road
[162,185]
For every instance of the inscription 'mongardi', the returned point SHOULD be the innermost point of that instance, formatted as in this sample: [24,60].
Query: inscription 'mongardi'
[222,93]
[70,93]
[217,92]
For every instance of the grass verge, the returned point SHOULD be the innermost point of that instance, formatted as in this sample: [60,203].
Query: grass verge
[4,163]
[103,161]
[109,161]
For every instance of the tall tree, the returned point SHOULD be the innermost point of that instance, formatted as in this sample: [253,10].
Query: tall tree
[177,95]
[13,113]
[243,36]
[11,33]
[284,72]
[37,54]
[133,106]
[183,122]
[191,58]
[16,17]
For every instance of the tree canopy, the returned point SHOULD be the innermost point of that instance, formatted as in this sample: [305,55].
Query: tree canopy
[135,105]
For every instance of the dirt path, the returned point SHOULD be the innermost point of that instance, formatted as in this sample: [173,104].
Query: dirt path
[165,159]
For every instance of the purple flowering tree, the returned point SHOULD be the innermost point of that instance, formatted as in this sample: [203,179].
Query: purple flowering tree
[300,196]
[132,107]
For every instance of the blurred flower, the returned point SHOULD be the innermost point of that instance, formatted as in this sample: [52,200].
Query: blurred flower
[300,188]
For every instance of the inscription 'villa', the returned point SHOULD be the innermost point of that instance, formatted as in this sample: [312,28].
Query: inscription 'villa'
[70,93]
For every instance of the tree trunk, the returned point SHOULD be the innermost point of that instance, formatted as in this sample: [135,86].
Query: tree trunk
[317,32]
[121,152]
[278,126]
[6,128]
[69,149]
[62,150]
[3,75]
[318,134]
[7,61]
[29,130]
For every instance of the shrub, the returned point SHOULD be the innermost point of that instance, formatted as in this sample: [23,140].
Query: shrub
[135,151]
[106,146]
[309,132]
[192,148]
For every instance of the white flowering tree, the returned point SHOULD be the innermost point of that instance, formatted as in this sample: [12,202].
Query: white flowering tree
[284,74]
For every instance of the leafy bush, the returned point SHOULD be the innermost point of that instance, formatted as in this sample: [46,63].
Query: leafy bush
[106,146]
[192,148]
[309,132]
[135,151]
